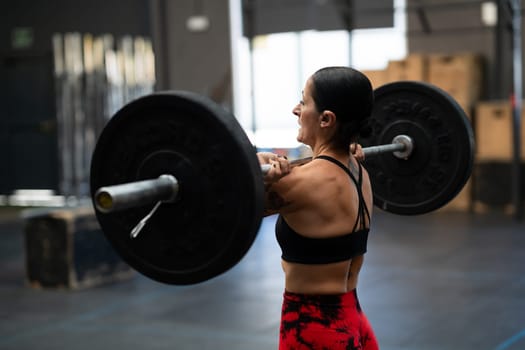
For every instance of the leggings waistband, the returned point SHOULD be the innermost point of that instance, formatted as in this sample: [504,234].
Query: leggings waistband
[344,299]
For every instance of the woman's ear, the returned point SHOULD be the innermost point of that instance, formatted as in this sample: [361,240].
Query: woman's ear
[327,118]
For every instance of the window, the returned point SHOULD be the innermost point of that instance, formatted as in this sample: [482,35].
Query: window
[280,64]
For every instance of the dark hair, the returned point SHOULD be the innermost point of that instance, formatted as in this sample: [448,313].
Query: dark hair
[348,93]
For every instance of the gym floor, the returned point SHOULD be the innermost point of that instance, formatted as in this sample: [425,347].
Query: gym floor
[437,281]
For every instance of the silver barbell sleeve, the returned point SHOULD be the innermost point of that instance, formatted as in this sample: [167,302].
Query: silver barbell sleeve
[118,197]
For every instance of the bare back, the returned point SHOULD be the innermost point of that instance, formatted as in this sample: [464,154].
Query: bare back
[319,200]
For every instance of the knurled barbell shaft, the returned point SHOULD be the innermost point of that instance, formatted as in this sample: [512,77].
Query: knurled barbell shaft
[165,187]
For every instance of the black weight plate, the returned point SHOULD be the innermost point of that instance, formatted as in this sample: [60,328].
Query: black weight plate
[218,211]
[443,154]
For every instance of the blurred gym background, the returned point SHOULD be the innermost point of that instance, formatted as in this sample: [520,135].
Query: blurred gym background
[67,68]
[452,279]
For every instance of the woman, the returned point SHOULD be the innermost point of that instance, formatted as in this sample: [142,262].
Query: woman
[324,210]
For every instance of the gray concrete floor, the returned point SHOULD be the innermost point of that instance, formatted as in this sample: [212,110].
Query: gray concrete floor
[438,281]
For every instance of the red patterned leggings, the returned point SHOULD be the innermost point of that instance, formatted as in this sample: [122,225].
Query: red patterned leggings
[318,322]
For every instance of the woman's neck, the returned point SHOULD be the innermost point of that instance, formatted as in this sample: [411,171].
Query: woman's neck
[330,151]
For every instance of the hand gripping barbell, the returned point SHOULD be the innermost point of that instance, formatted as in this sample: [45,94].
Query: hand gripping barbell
[173,147]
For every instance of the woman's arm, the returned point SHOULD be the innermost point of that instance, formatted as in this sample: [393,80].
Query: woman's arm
[279,167]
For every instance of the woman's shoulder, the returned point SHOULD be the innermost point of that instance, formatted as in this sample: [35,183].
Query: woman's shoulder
[311,173]
[294,188]
[313,177]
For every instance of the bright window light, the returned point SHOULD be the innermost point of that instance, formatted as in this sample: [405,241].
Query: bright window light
[279,65]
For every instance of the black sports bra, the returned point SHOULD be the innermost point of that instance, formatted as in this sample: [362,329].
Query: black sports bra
[297,248]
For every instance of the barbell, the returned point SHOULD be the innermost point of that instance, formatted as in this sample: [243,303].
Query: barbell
[165,188]
[171,148]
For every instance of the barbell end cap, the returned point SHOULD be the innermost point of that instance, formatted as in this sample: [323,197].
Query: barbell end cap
[408,144]
[174,185]
[103,201]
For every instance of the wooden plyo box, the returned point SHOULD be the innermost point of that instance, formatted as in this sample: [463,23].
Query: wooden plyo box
[494,131]
[414,67]
[65,248]
[460,75]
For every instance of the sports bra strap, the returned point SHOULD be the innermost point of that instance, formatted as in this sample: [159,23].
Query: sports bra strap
[341,165]
[362,209]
